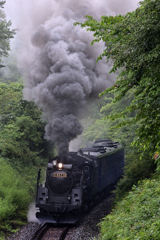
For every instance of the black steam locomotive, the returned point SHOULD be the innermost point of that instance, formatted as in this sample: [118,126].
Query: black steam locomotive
[74,186]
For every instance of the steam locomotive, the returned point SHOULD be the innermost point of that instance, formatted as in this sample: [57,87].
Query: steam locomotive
[74,186]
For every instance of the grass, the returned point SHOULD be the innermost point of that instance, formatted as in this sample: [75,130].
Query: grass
[14,199]
[137,216]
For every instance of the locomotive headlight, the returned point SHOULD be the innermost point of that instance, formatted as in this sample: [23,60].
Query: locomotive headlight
[54,162]
[60,165]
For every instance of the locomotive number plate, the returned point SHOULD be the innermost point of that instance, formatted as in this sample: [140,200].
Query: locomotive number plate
[63,175]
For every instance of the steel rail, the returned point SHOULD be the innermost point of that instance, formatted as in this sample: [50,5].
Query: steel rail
[41,231]
[64,233]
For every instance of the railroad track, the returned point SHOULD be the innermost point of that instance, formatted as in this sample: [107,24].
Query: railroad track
[48,231]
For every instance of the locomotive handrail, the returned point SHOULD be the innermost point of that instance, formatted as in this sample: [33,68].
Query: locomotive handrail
[38,178]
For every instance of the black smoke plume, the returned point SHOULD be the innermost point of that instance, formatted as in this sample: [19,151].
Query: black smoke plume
[61,73]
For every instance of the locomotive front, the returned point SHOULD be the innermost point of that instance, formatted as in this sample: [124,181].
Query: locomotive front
[61,195]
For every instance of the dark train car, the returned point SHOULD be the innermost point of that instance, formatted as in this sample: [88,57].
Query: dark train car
[74,186]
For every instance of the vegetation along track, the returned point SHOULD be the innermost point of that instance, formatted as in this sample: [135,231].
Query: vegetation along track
[48,231]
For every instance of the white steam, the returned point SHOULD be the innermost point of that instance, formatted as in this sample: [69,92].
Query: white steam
[31,215]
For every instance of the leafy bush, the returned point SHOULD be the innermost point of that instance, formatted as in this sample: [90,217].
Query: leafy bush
[20,140]
[136,169]
[137,216]
[14,198]
[21,129]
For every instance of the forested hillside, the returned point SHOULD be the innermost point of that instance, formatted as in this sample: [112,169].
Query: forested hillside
[132,44]
[23,151]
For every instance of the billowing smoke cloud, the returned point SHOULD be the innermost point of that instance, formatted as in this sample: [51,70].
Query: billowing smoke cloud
[61,73]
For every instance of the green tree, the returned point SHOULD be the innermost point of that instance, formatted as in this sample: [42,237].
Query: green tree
[21,129]
[133,45]
[5,34]
[98,126]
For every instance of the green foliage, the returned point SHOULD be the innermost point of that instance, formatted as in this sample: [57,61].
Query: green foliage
[10,94]
[24,150]
[100,126]
[14,198]
[133,45]
[5,34]
[22,131]
[136,169]
[137,215]
[20,140]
